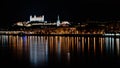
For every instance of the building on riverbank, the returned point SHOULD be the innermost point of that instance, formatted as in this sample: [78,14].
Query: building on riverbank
[39,21]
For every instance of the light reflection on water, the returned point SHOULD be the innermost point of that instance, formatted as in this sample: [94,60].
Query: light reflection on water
[45,50]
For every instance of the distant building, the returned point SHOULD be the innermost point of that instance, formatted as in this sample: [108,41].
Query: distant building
[64,23]
[39,19]
[58,21]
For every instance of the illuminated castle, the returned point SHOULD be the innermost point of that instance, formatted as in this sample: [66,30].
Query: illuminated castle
[39,19]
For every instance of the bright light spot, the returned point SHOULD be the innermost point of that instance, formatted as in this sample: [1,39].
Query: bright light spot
[20,24]
[65,22]
[28,25]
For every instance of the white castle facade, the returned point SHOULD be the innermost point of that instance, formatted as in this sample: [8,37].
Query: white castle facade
[39,19]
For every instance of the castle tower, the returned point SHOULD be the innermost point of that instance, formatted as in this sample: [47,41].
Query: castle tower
[58,21]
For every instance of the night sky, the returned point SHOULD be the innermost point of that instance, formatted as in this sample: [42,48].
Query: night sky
[71,10]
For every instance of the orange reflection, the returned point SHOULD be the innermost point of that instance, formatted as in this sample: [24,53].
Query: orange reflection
[101,45]
[83,45]
[94,45]
[88,45]
[62,47]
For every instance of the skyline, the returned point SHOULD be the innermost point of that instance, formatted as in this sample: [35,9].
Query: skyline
[13,11]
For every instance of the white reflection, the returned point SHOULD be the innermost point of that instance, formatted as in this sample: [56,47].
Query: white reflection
[4,40]
[109,44]
[46,56]
[117,44]
[59,48]
[106,41]
[68,57]
[38,50]
[113,45]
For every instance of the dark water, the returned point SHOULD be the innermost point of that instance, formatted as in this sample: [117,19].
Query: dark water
[59,51]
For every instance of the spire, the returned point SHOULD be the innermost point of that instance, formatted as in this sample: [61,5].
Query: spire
[58,21]
[58,17]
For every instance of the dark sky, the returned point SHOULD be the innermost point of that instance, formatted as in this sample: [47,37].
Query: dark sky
[71,10]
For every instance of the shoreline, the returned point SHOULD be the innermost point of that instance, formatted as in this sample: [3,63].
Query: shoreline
[66,35]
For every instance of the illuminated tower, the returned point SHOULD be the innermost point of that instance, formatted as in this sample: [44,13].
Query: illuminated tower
[58,21]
